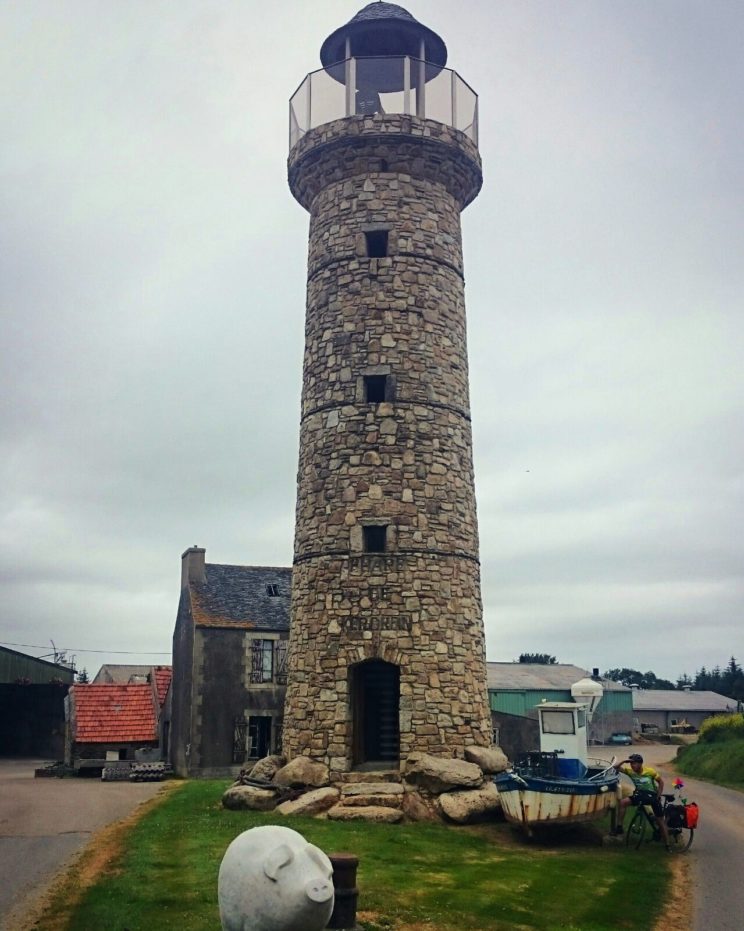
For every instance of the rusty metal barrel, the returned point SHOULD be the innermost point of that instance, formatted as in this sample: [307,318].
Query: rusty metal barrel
[346,892]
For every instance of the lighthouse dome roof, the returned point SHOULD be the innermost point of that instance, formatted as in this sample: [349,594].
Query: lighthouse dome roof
[380,10]
[384,29]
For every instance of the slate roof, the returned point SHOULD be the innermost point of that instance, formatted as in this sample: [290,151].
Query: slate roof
[108,713]
[237,596]
[679,700]
[521,677]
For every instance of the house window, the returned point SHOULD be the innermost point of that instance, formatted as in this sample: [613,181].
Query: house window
[377,243]
[262,661]
[272,590]
[374,538]
[375,388]
[259,736]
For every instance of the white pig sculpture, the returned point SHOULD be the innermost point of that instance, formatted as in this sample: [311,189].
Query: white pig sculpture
[271,879]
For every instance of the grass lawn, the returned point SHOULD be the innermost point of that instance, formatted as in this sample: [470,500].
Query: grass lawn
[427,877]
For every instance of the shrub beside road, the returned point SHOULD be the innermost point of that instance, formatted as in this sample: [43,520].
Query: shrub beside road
[718,756]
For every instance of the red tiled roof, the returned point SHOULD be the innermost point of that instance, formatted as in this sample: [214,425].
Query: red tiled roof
[114,713]
[163,675]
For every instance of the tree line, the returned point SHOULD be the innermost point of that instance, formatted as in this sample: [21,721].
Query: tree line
[728,681]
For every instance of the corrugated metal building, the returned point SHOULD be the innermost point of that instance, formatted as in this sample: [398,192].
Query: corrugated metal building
[32,714]
[19,668]
[515,690]
[665,708]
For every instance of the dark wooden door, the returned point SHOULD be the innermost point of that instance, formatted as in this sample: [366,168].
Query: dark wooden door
[376,704]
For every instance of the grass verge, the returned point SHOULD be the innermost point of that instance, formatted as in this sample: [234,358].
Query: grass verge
[722,763]
[423,877]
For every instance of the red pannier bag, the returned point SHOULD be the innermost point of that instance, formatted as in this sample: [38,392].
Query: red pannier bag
[692,813]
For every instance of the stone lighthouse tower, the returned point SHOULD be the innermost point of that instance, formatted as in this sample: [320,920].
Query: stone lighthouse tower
[386,652]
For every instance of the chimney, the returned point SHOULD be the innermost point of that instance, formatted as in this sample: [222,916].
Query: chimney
[192,566]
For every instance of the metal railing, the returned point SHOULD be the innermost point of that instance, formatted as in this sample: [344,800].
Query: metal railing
[394,84]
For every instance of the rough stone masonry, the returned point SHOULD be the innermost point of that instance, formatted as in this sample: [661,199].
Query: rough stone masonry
[386,606]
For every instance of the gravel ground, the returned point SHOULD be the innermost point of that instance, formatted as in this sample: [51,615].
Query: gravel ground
[45,822]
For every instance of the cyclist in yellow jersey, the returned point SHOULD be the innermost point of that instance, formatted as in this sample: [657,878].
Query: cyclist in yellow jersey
[648,788]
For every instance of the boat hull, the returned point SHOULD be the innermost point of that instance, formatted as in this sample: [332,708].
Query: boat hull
[534,801]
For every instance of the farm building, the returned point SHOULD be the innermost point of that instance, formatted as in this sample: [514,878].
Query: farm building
[32,713]
[515,690]
[667,709]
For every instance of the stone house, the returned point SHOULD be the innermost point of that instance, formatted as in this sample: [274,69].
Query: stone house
[229,665]
[515,690]
[115,721]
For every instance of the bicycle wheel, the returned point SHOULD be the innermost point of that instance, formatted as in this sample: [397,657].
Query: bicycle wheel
[636,829]
[680,839]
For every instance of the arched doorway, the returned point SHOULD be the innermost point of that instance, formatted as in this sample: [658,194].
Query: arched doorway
[375,708]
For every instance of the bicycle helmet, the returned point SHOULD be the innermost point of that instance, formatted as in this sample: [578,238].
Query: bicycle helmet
[635,758]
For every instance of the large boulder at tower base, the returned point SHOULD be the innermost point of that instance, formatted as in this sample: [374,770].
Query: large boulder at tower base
[417,808]
[437,775]
[267,768]
[464,807]
[374,813]
[249,797]
[311,803]
[302,771]
[490,759]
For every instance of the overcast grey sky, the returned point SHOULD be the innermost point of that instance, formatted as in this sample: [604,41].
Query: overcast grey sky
[152,273]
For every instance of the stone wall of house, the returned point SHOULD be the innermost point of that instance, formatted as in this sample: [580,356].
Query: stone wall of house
[182,688]
[97,751]
[404,463]
[225,694]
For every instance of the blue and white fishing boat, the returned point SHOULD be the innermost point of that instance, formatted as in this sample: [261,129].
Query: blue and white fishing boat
[559,784]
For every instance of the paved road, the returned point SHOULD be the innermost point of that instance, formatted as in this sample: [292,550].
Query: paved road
[45,822]
[717,852]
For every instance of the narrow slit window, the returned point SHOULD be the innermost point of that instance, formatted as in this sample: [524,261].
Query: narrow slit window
[375,388]
[377,243]
[374,538]
[272,590]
